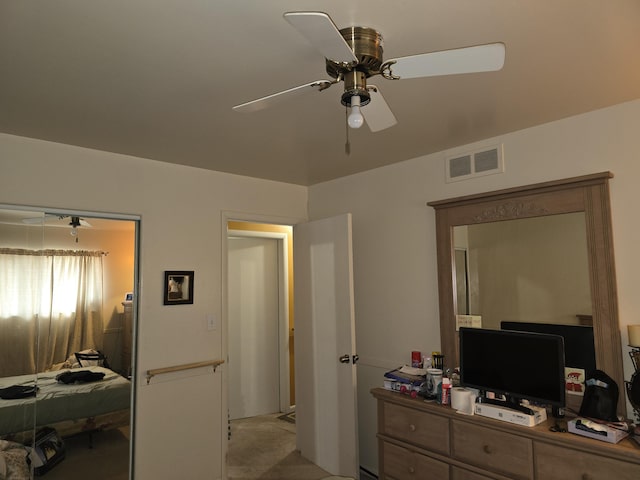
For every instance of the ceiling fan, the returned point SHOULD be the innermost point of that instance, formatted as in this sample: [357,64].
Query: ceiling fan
[74,222]
[354,54]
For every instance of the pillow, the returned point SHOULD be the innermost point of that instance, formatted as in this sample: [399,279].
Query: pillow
[13,460]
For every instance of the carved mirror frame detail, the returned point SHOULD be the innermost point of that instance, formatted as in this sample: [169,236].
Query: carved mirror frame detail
[588,194]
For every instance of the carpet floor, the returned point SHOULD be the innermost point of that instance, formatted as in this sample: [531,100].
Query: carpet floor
[264,448]
[107,460]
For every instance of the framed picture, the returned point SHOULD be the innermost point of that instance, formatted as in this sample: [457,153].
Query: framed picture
[178,287]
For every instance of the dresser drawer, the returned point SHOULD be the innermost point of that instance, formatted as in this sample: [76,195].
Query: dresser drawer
[493,450]
[560,463]
[419,428]
[403,464]
[462,474]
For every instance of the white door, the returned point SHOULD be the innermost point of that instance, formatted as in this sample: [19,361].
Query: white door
[326,415]
[253,327]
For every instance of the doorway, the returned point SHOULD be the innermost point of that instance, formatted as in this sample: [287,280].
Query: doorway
[325,403]
[260,317]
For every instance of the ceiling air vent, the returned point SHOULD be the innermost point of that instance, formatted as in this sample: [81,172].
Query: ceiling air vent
[485,161]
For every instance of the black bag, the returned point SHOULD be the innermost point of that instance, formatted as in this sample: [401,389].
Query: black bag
[81,376]
[18,391]
[48,451]
[600,397]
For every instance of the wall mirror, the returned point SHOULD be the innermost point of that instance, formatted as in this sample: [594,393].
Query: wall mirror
[574,264]
[66,332]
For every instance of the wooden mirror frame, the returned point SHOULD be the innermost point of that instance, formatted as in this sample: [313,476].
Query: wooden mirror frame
[588,194]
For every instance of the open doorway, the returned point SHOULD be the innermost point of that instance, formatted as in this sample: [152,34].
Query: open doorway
[261,389]
[260,310]
[325,400]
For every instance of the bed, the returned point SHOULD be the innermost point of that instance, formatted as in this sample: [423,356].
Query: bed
[69,408]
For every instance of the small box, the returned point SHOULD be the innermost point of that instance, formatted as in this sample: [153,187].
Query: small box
[610,435]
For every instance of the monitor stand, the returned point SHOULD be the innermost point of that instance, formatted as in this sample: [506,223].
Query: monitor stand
[509,403]
[528,416]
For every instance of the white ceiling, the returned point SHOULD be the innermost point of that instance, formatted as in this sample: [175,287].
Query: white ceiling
[157,78]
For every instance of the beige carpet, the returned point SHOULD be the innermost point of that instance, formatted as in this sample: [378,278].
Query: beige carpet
[265,448]
[107,460]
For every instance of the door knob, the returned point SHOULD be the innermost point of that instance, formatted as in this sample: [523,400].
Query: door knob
[346,359]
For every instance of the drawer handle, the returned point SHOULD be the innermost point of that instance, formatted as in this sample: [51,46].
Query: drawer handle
[586,476]
[487,449]
[412,427]
[411,470]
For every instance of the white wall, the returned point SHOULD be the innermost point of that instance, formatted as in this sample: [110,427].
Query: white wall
[178,431]
[396,289]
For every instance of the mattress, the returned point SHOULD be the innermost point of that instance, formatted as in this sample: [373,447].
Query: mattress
[57,402]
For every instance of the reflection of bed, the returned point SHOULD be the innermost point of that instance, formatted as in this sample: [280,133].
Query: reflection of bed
[70,408]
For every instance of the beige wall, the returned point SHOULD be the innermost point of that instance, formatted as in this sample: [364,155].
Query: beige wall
[180,428]
[396,289]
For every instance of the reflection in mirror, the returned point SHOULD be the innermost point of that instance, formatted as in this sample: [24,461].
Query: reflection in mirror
[527,270]
[462,279]
[63,284]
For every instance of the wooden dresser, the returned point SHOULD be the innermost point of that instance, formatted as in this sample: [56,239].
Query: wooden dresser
[420,440]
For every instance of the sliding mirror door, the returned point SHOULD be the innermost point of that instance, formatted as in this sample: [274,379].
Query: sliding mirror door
[18,330]
[69,333]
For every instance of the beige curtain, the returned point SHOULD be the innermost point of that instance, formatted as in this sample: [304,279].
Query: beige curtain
[50,307]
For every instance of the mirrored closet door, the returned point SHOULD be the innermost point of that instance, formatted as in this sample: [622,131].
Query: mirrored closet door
[67,309]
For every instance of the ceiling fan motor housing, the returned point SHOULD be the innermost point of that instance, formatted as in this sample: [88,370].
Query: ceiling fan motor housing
[366,44]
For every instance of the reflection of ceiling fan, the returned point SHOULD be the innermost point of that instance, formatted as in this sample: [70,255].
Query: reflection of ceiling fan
[354,54]
[74,222]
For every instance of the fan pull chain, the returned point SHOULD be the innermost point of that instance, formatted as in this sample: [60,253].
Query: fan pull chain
[347,145]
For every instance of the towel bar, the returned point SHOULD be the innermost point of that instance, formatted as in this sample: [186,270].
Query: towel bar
[159,371]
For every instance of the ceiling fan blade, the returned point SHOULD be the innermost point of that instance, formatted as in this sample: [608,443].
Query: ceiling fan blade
[84,223]
[481,58]
[269,100]
[39,220]
[377,113]
[319,29]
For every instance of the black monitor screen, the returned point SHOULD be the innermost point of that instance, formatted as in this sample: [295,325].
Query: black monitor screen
[518,365]
[579,347]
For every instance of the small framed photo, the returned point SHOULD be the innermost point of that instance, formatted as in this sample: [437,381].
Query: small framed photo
[178,287]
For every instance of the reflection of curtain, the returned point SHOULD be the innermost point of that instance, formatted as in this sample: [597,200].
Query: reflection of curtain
[50,307]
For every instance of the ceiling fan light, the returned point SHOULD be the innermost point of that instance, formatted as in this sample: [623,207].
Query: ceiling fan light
[355,118]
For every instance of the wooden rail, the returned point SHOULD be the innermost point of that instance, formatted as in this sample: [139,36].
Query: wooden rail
[177,368]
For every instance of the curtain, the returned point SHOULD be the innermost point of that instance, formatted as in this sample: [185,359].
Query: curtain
[50,307]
